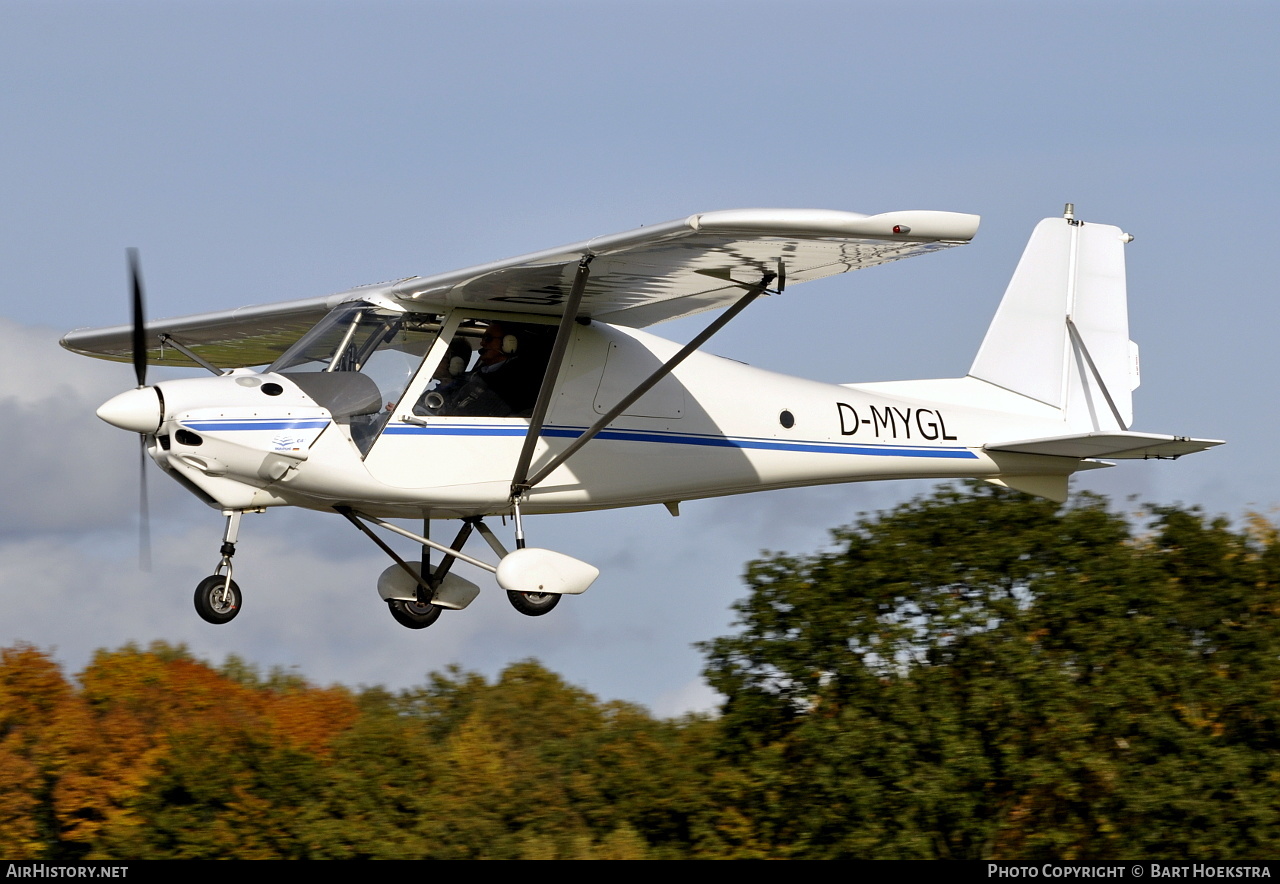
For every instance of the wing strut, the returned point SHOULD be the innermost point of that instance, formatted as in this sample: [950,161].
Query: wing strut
[167,339]
[519,486]
[753,291]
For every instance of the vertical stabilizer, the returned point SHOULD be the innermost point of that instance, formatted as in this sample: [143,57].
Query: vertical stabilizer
[1061,333]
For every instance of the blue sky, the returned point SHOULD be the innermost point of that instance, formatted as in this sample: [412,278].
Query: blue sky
[272,150]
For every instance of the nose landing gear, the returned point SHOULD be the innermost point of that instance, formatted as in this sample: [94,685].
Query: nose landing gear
[218,597]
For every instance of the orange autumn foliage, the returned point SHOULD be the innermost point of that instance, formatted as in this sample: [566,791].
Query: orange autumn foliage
[90,754]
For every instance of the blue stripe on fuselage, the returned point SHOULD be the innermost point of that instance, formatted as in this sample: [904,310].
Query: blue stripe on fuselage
[669,438]
[213,426]
[617,435]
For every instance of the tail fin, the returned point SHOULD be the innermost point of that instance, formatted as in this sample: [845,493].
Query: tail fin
[1061,333]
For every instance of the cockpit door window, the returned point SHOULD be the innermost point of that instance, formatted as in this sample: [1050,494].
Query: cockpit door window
[358,361]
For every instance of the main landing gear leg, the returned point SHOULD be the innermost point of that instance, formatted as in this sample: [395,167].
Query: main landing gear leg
[421,614]
[418,613]
[531,604]
[515,505]
[561,570]
[217,597]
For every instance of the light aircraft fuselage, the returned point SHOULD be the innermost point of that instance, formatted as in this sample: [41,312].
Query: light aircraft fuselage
[526,386]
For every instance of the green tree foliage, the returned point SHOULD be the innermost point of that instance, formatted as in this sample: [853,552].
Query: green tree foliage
[525,767]
[982,675]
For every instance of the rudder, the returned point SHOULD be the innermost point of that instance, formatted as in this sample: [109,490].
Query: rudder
[1061,333]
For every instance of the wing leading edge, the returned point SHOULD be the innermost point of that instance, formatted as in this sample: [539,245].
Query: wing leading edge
[638,278]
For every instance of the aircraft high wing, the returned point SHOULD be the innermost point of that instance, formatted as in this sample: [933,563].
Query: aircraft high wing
[645,276]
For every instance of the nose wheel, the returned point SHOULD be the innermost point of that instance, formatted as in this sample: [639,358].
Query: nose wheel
[218,599]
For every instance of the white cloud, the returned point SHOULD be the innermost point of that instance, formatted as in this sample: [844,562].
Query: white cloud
[695,696]
[35,370]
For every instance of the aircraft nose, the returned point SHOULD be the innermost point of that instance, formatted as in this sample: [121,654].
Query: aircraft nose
[137,410]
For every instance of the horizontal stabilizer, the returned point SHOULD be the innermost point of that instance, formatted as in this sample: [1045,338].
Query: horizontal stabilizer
[1119,445]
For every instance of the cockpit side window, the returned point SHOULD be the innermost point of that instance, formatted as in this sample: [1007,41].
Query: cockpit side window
[493,368]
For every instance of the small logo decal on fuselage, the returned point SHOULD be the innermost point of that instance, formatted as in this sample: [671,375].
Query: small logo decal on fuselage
[288,443]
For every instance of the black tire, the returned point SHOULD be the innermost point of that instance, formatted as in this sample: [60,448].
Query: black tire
[412,614]
[533,604]
[212,605]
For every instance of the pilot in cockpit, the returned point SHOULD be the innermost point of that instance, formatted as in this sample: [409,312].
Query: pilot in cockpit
[499,385]
[503,382]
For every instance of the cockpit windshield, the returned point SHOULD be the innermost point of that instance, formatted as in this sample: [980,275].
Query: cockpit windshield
[348,338]
[357,362]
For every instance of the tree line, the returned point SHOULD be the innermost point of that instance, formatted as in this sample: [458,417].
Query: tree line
[974,674]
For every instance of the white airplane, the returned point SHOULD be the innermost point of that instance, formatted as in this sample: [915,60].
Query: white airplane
[525,386]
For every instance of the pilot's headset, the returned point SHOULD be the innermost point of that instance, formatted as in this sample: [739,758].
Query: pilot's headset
[457,357]
[455,365]
[509,344]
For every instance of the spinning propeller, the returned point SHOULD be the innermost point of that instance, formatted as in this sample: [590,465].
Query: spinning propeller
[140,372]
[139,320]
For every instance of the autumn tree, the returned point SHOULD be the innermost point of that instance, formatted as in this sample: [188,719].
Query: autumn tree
[158,755]
[162,756]
[33,694]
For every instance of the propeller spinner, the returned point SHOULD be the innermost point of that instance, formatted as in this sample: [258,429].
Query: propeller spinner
[137,410]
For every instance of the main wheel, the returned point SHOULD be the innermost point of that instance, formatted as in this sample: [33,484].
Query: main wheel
[414,615]
[533,604]
[217,600]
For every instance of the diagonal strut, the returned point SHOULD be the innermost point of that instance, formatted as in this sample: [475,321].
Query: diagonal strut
[518,484]
[753,292]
